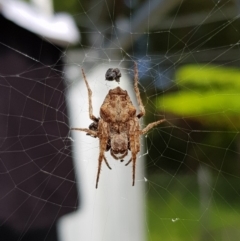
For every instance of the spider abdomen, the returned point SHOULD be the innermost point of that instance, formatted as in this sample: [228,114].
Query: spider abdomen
[117,106]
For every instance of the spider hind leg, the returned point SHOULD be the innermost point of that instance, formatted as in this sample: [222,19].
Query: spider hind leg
[134,169]
[107,162]
[128,161]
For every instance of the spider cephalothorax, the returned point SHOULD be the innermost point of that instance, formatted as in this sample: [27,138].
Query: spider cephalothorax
[118,127]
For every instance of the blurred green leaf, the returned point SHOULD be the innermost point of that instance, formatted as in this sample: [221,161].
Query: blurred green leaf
[209,77]
[70,6]
[207,93]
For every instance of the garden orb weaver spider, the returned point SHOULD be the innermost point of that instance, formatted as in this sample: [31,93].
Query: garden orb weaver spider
[118,127]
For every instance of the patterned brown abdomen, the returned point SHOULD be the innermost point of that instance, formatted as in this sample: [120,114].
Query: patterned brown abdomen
[117,107]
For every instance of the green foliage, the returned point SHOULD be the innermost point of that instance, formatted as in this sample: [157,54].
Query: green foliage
[174,211]
[209,94]
[208,77]
[209,107]
[70,6]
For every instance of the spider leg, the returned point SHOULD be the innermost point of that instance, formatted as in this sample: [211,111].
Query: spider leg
[100,159]
[128,161]
[94,127]
[113,155]
[134,158]
[90,132]
[151,125]
[107,162]
[103,139]
[91,116]
[139,100]
[134,141]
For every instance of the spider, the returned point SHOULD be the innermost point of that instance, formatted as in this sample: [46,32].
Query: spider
[118,127]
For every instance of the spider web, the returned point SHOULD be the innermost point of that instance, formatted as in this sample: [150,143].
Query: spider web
[188,169]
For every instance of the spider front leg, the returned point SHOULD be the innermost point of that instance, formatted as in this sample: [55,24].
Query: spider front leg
[136,89]
[151,125]
[89,132]
[91,116]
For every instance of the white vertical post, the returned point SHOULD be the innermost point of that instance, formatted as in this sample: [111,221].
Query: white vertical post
[116,210]
[45,6]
